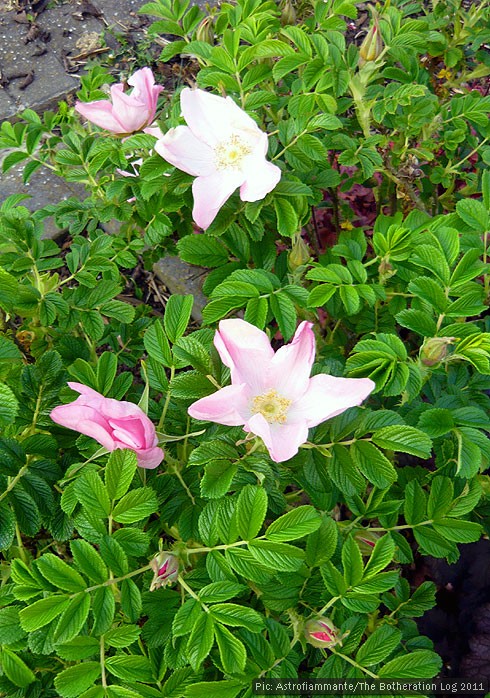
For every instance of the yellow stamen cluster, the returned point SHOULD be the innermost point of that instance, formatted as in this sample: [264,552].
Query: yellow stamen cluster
[230,153]
[272,406]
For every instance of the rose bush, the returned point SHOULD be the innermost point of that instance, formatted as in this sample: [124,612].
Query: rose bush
[338,375]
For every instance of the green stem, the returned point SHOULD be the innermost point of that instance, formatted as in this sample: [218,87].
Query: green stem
[12,482]
[192,593]
[116,580]
[354,663]
[102,662]
[167,400]
[286,147]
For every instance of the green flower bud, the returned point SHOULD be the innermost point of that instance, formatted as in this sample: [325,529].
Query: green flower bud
[299,255]
[288,14]
[373,44]
[434,350]
[205,31]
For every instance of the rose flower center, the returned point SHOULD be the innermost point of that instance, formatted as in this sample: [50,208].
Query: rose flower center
[272,406]
[230,153]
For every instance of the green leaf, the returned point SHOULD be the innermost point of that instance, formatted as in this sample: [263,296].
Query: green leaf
[135,505]
[217,478]
[177,315]
[202,250]
[7,526]
[156,344]
[71,682]
[256,312]
[89,561]
[214,689]
[92,494]
[458,530]
[277,556]
[417,321]
[200,641]
[73,618]
[15,669]
[60,573]
[473,213]
[103,606]
[123,636]
[381,556]
[440,498]
[373,464]
[421,664]
[106,371]
[415,503]
[10,628]
[220,591]
[251,511]
[9,406]
[119,472]
[284,311]
[379,645]
[131,603]
[42,612]
[79,648]
[130,668]
[232,650]
[352,562]
[287,218]
[295,524]
[433,543]
[238,616]
[405,439]
[321,544]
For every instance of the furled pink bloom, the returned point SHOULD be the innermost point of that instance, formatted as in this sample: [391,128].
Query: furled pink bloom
[224,148]
[272,394]
[113,423]
[125,112]
[165,568]
[321,632]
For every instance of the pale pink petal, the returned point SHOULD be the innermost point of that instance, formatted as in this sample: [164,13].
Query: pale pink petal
[84,389]
[151,458]
[229,406]
[211,192]
[131,112]
[181,148]
[213,119]
[145,89]
[328,396]
[261,178]
[153,131]
[246,350]
[291,366]
[85,420]
[129,431]
[100,113]
[282,440]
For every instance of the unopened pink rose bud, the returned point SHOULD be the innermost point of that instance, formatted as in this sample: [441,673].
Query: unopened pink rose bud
[366,540]
[166,570]
[321,632]
[372,46]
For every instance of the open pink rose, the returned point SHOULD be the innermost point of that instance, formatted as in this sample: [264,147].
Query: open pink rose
[224,148]
[272,394]
[113,423]
[126,112]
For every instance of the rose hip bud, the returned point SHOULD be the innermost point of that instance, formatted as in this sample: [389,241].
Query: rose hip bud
[166,570]
[366,540]
[299,255]
[373,45]
[434,350]
[321,632]
[205,31]
[288,14]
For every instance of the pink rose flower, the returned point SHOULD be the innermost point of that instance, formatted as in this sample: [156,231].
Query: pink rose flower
[271,394]
[113,423]
[126,112]
[224,148]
